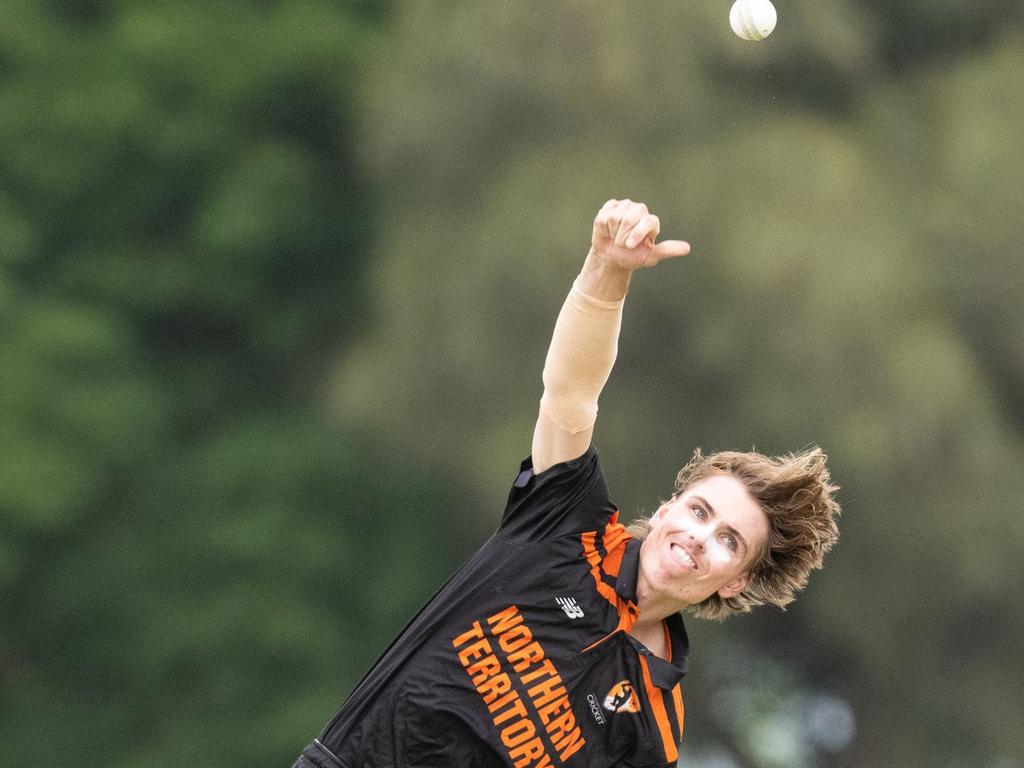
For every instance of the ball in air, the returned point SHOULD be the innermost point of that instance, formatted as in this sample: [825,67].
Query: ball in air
[752,19]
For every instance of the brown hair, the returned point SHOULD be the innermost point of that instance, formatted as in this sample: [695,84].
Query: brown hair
[797,496]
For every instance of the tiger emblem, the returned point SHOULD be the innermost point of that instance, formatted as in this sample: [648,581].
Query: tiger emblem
[622,698]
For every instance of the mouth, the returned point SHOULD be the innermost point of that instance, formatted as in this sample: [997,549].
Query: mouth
[682,557]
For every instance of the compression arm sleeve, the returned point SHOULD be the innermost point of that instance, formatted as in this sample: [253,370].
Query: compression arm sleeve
[580,359]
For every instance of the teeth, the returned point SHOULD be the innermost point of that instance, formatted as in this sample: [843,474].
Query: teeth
[682,555]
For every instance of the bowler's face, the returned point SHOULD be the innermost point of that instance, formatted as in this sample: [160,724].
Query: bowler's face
[703,542]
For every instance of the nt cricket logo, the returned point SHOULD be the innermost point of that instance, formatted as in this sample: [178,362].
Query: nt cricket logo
[622,698]
[568,604]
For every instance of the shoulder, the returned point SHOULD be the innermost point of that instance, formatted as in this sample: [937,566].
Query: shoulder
[567,497]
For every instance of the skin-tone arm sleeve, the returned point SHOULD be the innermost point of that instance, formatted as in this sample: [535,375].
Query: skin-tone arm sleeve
[582,352]
[585,340]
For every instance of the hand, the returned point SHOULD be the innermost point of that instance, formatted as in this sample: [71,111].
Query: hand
[624,237]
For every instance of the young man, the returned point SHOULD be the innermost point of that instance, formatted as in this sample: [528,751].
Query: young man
[560,642]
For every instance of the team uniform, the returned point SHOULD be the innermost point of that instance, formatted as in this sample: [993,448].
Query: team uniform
[523,657]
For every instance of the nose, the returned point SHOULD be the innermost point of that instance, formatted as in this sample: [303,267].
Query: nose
[698,536]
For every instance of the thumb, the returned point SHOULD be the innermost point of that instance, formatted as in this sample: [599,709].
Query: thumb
[670,249]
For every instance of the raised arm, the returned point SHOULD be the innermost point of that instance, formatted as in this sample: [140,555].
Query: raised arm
[585,340]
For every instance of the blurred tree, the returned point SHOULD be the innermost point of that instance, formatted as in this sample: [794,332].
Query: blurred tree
[915,33]
[828,178]
[188,547]
[207,211]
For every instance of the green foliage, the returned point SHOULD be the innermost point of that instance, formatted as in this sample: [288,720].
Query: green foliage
[853,204]
[188,546]
[276,281]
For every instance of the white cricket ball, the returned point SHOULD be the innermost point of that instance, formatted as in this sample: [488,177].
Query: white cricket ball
[753,19]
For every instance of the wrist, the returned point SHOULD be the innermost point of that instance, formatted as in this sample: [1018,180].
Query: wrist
[602,280]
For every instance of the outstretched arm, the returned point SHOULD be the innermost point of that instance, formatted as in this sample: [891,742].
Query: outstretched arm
[585,340]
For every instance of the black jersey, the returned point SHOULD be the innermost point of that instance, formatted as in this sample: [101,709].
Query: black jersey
[522,658]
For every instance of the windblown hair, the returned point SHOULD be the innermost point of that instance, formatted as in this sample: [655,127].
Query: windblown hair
[797,496]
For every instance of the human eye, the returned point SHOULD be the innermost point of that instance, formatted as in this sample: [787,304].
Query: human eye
[730,542]
[699,512]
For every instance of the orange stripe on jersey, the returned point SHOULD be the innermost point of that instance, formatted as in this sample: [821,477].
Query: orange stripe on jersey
[677,693]
[660,715]
[677,698]
[594,558]
[611,563]
[614,537]
[617,536]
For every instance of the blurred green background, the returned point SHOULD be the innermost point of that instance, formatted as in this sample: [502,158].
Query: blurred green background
[277,281]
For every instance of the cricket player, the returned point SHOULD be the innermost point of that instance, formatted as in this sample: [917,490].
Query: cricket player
[561,641]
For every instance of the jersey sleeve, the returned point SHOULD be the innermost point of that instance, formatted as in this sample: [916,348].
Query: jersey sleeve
[567,498]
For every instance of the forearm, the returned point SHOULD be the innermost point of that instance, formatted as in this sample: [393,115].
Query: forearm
[584,346]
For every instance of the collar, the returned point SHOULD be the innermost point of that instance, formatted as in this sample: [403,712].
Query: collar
[664,674]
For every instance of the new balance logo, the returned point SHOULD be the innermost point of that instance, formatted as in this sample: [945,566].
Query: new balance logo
[568,605]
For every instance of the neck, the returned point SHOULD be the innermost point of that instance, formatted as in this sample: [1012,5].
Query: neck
[652,608]
[651,613]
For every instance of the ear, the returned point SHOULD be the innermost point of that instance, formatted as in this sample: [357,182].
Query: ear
[734,587]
